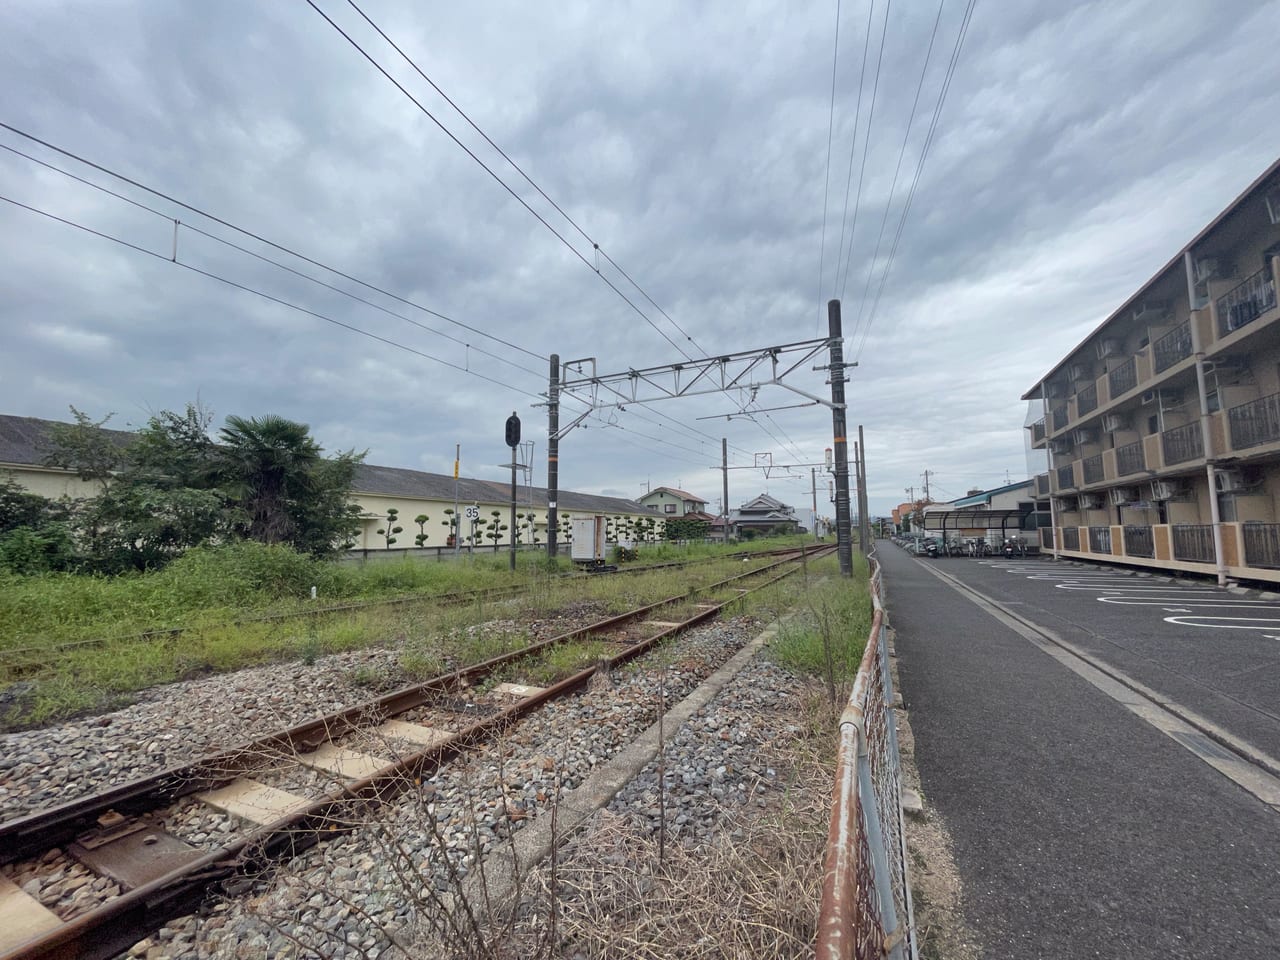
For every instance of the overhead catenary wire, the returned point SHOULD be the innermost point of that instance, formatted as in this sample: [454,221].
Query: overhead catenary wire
[261,239]
[259,293]
[866,144]
[826,181]
[924,154]
[492,173]
[520,170]
[582,232]
[857,122]
[906,136]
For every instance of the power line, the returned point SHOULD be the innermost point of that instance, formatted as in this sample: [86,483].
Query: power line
[249,233]
[857,120]
[826,182]
[924,69]
[520,170]
[259,293]
[866,143]
[524,203]
[266,259]
[924,153]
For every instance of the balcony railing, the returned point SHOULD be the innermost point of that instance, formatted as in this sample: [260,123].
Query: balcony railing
[1037,431]
[1087,400]
[1172,347]
[1099,539]
[1255,422]
[1092,469]
[1246,301]
[1139,542]
[1262,545]
[1182,443]
[1059,418]
[1042,485]
[1046,538]
[1123,378]
[1193,542]
[1130,458]
[1066,478]
[1070,538]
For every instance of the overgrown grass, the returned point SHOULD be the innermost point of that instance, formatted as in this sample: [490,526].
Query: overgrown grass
[206,592]
[827,633]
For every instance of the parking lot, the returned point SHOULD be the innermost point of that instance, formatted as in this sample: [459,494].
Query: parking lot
[1214,652]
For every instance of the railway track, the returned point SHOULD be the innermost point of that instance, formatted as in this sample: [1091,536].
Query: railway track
[288,790]
[22,663]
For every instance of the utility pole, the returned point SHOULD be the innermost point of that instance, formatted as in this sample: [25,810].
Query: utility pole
[844,545]
[856,494]
[813,479]
[926,487]
[724,477]
[553,452]
[864,504]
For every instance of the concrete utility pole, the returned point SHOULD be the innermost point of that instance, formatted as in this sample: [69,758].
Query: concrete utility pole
[926,487]
[724,474]
[813,480]
[553,452]
[457,521]
[844,544]
[864,507]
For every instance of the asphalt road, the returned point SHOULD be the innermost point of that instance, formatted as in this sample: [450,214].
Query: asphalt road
[1080,830]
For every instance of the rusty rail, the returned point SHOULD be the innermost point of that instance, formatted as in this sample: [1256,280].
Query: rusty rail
[866,909]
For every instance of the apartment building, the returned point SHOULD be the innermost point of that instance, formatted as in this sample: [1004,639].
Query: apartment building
[1163,425]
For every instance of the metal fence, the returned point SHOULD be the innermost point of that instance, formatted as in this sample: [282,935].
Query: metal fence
[1087,400]
[1070,538]
[866,907]
[1255,422]
[1245,302]
[1183,443]
[1262,545]
[1123,378]
[1131,458]
[1193,542]
[1139,542]
[1172,347]
[1092,468]
[1066,477]
[1099,539]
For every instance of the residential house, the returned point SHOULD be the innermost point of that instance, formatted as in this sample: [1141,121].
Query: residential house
[764,514]
[676,504]
[1163,424]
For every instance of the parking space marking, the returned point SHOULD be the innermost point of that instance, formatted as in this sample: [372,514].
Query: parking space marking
[1236,623]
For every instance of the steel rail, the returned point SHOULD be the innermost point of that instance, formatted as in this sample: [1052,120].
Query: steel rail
[114,926]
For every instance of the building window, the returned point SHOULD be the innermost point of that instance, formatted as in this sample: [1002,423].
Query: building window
[669,508]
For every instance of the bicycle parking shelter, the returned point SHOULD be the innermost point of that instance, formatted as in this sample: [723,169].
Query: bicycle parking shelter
[987,520]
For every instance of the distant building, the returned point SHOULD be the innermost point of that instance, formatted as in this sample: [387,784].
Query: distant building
[673,503]
[25,444]
[763,514]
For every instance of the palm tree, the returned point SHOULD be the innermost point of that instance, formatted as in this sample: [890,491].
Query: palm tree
[268,468]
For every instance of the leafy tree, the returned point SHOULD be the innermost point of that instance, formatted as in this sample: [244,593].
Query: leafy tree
[680,528]
[494,528]
[421,537]
[86,447]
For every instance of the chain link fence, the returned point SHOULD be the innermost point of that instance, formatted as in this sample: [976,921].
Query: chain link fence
[866,909]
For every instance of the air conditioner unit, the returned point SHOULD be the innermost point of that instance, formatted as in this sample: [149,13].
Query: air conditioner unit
[1065,504]
[1235,480]
[1273,203]
[1205,268]
[1109,347]
[1083,435]
[1119,496]
[1112,422]
[1149,397]
[1169,489]
[1079,371]
[1060,445]
[1091,501]
[1148,311]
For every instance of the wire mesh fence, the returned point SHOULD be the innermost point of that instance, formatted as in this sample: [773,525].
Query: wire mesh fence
[866,909]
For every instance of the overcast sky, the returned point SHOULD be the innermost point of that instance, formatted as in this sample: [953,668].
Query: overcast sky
[1079,146]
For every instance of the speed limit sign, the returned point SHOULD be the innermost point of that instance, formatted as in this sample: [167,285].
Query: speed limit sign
[472,513]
